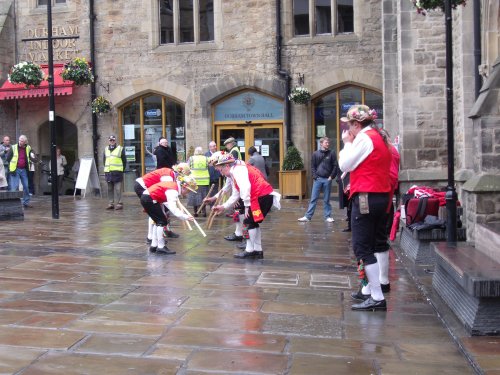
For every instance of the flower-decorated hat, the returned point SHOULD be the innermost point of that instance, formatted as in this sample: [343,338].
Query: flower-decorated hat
[225,159]
[182,169]
[188,182]
[212,160]
[361,113]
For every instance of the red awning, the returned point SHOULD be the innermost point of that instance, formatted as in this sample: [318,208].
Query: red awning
[10,91]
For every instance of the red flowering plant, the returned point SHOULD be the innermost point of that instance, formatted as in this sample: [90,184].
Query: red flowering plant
[424,5]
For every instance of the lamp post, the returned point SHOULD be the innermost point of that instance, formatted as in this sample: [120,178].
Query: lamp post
[52,108]
[451,194]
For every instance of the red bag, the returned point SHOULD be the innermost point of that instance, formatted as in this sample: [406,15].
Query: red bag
[418,208]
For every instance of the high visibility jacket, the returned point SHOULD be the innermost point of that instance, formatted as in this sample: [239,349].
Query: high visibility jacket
[113,161]
[199,169]
[237,149]
[15,157]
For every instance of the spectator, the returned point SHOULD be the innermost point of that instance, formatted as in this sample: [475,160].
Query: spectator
[4,149]
[214,173]
[61,165]
[198,163]
[114,164]
[257,160]
[324,169]
[19,158]
[165,157]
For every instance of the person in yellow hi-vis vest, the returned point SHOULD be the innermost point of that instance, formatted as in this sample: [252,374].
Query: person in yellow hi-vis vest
[20,157]
[198,163]
[114,162]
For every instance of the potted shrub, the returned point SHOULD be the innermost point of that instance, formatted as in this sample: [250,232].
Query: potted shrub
[101,105]
[300,95]
[26,72]
[292,180]
[78,70]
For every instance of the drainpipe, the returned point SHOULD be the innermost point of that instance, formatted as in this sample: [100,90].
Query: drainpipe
[477,46]
[284,74]
[93,91]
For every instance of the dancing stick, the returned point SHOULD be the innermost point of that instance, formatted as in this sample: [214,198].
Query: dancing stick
[205,202]
[194,220]
[181,207]
[212,213]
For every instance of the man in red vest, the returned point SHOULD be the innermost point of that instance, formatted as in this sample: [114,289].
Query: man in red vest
[165,195]
[257,195]
[366,155]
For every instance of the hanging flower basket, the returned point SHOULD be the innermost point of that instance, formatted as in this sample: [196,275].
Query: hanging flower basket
[29,73]
[424,5]
[78,70]
[300,95]
[101,105]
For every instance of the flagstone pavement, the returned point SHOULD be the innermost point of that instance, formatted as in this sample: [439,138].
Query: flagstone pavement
[82,295]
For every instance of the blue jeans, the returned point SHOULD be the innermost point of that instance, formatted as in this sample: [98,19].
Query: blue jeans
[320,184]
[14,177]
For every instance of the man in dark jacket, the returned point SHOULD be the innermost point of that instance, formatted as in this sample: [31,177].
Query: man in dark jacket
[324,170]
[165,157]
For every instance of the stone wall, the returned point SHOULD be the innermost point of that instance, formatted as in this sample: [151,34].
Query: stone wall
[7,59]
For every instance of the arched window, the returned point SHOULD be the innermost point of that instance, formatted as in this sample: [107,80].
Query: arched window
[329,108]
[143,121]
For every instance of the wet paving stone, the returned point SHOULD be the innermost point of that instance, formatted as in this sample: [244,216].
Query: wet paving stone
[83,295]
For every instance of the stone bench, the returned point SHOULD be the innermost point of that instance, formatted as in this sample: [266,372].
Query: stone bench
[468,281]
[11,206]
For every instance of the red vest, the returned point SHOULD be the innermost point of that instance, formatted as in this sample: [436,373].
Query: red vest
[372,175]
[155,176]
[157,191]
[259,187]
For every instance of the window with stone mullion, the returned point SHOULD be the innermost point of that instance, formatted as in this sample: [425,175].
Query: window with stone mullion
[44,2]
[322,16]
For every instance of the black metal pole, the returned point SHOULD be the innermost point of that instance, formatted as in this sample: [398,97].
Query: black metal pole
[52,116]
[477,46]
[451,194]
[93,90]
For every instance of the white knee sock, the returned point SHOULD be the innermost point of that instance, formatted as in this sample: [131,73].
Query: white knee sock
[257,245]
[383,263]
[366,290]
[151,226]
[252,233]
[372,273]
[159,236]
[239,226]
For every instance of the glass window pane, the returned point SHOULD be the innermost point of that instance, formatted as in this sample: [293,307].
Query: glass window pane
[206,20]
[374,101]
[166,22]
[325,119]
[42,2]
[345,16]
[152,129]
[301,17]
[176,129]
[60,1]
[131,135]
[323,17]
[348,96]
[186,21]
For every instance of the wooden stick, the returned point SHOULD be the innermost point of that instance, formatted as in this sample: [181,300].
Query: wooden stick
[204,202]
[181,207]
[194,220]
[212,213]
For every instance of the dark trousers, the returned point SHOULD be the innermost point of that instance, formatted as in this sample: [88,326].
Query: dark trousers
[154,210]
[265,202]
[138,189]
[368,229]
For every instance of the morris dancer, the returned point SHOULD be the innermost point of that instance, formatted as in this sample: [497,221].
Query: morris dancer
[151,178]
[165,194]
[257,195]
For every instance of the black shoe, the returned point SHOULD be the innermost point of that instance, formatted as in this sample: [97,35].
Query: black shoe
[259,254]
[360,296]
[171,234]
[246,254]
[165,250]
[148,241]
[233,237]
[370,304]
[242,245]
[152,249]
[386,288]
[346,230]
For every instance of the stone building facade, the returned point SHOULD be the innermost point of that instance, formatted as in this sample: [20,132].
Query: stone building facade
[220,69]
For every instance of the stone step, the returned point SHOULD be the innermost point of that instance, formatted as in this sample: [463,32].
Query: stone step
[488,239]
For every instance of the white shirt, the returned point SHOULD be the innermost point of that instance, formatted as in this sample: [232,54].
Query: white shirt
[354,153]
[239,174]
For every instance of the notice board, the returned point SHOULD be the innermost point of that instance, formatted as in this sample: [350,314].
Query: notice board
[87,176]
